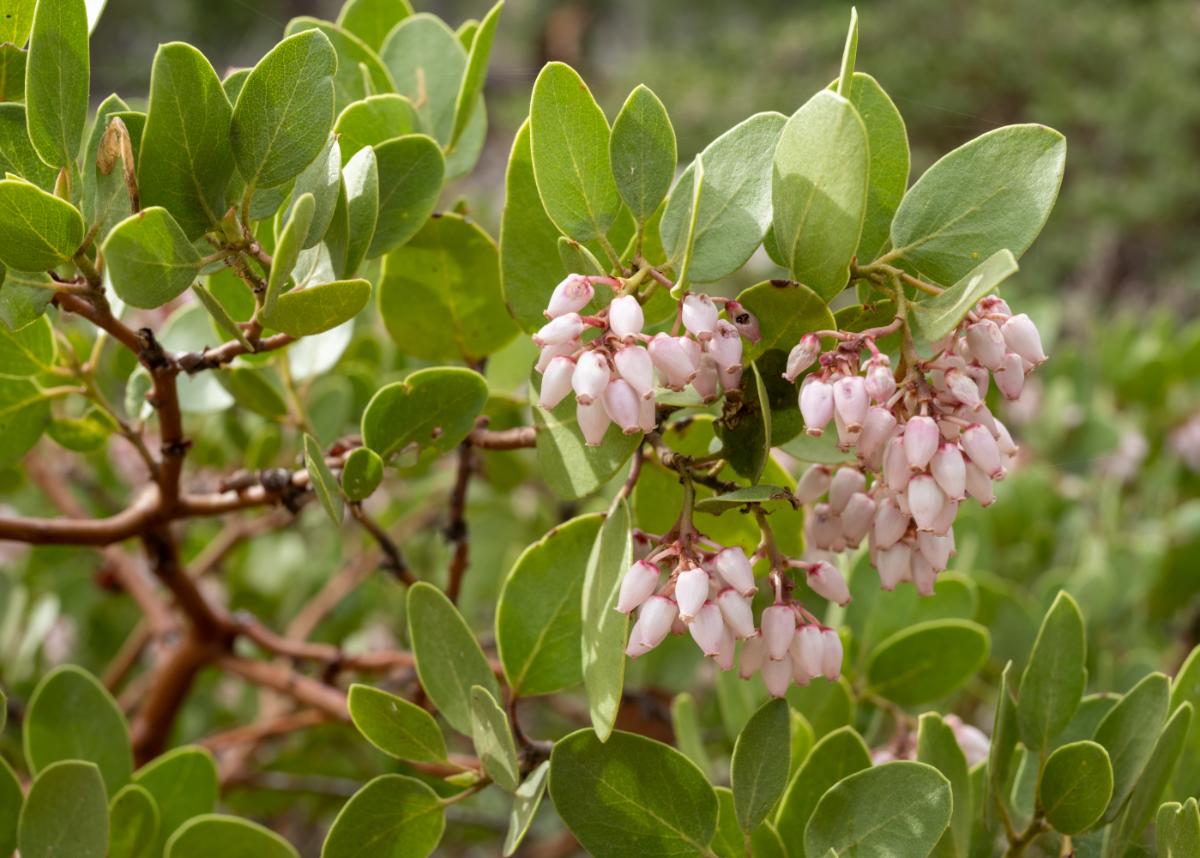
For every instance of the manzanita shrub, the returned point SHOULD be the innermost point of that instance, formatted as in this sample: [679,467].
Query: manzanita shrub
[247,297]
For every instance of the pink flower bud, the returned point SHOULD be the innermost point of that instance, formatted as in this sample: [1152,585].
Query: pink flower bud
[987,343]
[981,377]
[894,565]
[846,482]
[846,436]
[923,574]
[654,621]
[634,365]
[925,500]
[623,405]
[816,405]
[647,416]
[777,675]
[569,296]
[560,329]
[803,355]
[806,651]
[699,316]
[1021,335]
[831,654]
[733,565]
[945,519]
[691,589]
[549,353]
[638,585]
[877,429]
[880,385]
[725,650]
[980,446]
[625,317]
[754,651]
[921,438]
[591,377]
[813,483]
[726,348]
[1004,440]
[778,626]
[963,388]
[850,400]
[1010,376]
[735,609]
[556,382]
[950,471]
[936,549]
[706,628]
[857,517]
[707,381]
[675,368]
[593,422]
[824,527]
[979,485]
[827,582]
[743,320]
[895,464]
[890,523]
[993,305]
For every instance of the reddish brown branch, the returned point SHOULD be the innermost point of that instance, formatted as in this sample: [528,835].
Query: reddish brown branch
[516,438]
[392,560]
[165,694]
[281,678]
[457,531]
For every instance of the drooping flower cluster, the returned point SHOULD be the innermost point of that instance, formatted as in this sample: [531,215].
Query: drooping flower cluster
[610,365]
[926,439]
[708,594]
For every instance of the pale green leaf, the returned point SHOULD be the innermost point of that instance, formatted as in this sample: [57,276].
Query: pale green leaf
[37,230]
[604,628]
[493,739]
[149,259]
[204,836]
[391,817]
[643,152]
[1076,784]
[758,770]
[927,661]
[1054,677]
[411,170]
[395,726]
[57,79]
[932,319]
[65,813]
[432,408]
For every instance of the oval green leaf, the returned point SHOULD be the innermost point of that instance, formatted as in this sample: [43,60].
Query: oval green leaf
[150,260]
[184,785]
[433,409]
[393,725]
[411,170]
[1054,676]
[1129,732]
[391,817]
[525,804]
[1076,785]
[758,770]
[643,152]
[227,836]
[37,230]
[361,474]
[927,661]
[133,823]
[494,740]
[57,80]
[839,754]
[316,309]
[65,813]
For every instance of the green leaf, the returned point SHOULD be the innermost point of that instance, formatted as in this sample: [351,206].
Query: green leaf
[538,619]
[427,63]
[1004,740]
[735,200]
[133,823]
[577,258]
[372,121]
[604,628]
[758,770]
[739,498]
[184,785]
[473,79]
[525,804]
[27,351]
[631,796]
[360,71]
[323,482]
[322,180]
[227,836]
[887,141]
[356,213]
[411,171]
[992,193]
[393,725]
[12,72]
[643,153]
[287,248]
[185,162]
[529,266]
[569,467]
[285,110]
[17,22]
[1177,829]
[24,414]
[494,740]
[685,723]
[361,474]
[933,319]
[11,801]
[1054,677]
[225,322]
[57,78]
[927,661]
[765,842]
[1148,791]
[1129,732]
[449,660]
[837,755]
[37,230]
[150,260]
[372,20]
[16,152]
[899,809]
[54,731]
[434,409]
[786,311]
[440,295]
[729,841]
[819,191]
[104,198]
[569,139]
[937,747]
[746,429]
[316,309]
[65,813]
[391,817]
[1077,782]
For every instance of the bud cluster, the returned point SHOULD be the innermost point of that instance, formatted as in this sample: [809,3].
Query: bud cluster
[611,366]
[925,439]
[708,593]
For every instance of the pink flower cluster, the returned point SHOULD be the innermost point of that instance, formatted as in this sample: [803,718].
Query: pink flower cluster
[710,598]
[611,366]
[926,439]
